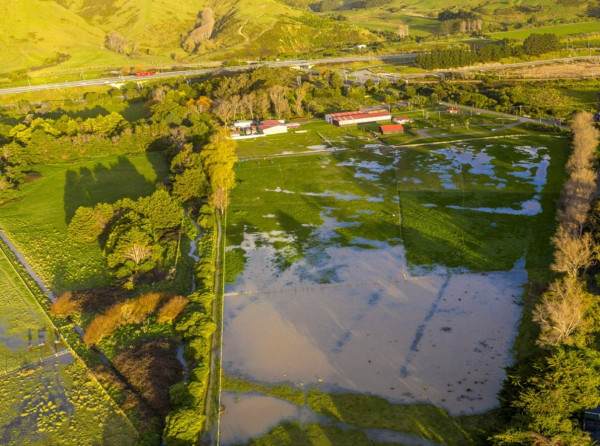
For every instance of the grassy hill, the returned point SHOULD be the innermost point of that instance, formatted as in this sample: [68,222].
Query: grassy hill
[69,35]
[44,35]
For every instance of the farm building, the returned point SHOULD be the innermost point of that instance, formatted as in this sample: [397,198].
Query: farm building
[401,120]
[391,129]
[243,123]
[453,110]
[357,117]
[272,127]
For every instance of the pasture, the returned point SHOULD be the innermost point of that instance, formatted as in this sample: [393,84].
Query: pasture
[37,222]
[57,402]
[26,333]
[47,395]
[388,272]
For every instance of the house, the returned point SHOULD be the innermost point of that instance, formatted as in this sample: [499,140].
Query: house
[453,110]
[401,120]
[391,129]
[272,127]
[343,119]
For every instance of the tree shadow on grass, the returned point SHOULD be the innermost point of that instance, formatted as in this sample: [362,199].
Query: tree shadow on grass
[104,184]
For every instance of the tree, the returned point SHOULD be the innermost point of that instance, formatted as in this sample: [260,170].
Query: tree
[537,44]
[89,223]
[278,96]
[116,42]
[402,31]
[223,109]
[170,310]
[161,210]
[572,254]
[65,305]
[130,247]
[218,157]
[567,381]
[191,184]
[566,313]
[202,32]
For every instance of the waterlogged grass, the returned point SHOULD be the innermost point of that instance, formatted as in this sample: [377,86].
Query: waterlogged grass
[475,217]
[58,403]
[284,201]
[422,420]
[26,334]
[358,412]
[37,222]
[284,392]
[313,434]
[478,206]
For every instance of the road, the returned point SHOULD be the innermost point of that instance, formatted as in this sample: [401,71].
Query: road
[362,75]
[200,72]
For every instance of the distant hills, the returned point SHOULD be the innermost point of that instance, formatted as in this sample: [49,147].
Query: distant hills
[55,35]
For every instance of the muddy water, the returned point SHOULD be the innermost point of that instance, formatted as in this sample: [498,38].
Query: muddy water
[249,415]
[439,339]
[378,326]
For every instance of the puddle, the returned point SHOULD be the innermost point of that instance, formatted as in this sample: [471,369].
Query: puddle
[250,416]
[529,208]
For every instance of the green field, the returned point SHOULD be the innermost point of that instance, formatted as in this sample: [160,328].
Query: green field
[37,222]
[458,217]
[58,403]
[47,398]
[564,29]
[23,324]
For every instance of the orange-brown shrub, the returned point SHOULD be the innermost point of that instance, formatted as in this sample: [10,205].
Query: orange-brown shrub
[171,309]
[65,305]
[133,311]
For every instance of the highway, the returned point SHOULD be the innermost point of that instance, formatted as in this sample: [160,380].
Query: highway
[200,72]
[359,76]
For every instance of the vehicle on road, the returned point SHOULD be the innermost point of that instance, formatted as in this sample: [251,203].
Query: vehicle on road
[145,73]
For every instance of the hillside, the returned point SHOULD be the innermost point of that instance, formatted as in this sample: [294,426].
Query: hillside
[42,36]
[35,32]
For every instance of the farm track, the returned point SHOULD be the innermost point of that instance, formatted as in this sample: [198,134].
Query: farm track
[214,381]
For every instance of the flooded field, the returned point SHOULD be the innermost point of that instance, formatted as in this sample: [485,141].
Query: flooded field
[397,275]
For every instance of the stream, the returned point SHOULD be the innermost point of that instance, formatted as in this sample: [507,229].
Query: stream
[193,253]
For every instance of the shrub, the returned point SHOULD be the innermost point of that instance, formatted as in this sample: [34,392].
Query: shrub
[133,311]
[170,310]
[65,305]
[151,368]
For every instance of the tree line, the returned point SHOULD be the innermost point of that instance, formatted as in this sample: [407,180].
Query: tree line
[549,388]
[533,45]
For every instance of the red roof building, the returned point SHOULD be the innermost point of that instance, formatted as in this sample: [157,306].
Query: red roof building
[357,117]
[453,110]
[391,129]
[272,127]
